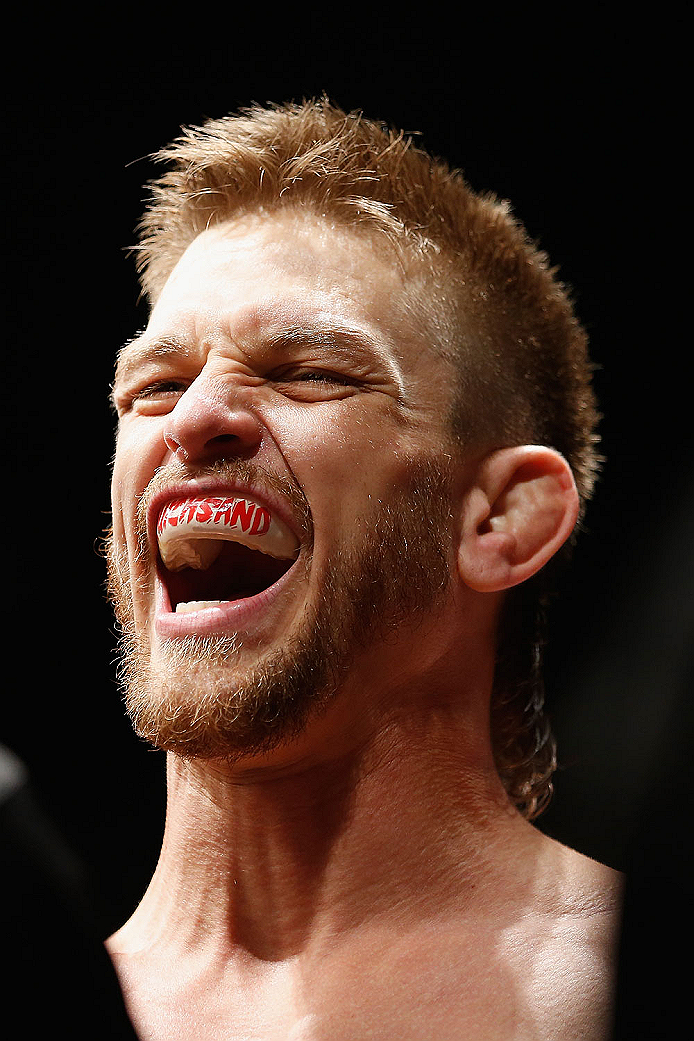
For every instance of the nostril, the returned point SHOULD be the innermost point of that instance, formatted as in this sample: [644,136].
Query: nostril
[229,445]
[175,446]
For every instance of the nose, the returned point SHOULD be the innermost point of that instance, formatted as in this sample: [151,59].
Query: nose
[210,422]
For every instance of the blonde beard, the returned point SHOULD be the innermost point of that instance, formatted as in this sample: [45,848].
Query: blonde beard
[199,700]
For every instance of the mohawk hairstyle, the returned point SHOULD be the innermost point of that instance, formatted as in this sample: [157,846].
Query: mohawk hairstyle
[483,291]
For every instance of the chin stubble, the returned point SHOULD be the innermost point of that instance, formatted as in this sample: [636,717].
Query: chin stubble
[198,698]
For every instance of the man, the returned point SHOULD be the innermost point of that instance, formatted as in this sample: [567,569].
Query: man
[353,438]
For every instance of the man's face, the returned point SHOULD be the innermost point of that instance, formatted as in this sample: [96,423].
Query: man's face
[279,367]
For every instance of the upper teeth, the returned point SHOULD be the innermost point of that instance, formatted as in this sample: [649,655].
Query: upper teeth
[189,530]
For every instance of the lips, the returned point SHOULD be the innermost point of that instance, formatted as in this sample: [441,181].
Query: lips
[221,549]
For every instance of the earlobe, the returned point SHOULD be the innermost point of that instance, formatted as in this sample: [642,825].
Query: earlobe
[520,509]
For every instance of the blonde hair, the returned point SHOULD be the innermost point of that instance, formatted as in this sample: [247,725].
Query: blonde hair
[486,294]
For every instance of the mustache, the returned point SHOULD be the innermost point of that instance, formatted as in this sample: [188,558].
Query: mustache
[228,472]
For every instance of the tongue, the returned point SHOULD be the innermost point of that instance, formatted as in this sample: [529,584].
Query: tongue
[189,530]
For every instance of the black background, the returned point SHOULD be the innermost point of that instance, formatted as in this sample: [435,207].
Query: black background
[576,128]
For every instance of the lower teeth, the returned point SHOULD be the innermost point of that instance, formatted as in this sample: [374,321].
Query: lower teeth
[197,605]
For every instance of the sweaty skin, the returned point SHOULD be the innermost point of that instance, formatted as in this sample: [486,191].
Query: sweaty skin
[367,876]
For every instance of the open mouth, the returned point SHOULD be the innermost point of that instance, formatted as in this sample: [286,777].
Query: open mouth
[219,549]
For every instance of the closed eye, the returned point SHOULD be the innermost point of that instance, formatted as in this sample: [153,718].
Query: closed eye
[153,398]
[313,376]
[316,383]
[160,387]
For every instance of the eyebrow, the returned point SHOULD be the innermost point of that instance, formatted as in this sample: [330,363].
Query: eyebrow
[138,352]
[328,337]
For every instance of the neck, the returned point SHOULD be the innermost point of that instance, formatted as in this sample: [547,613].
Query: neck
[270,858]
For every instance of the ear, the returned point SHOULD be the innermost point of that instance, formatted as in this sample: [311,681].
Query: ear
[520,509]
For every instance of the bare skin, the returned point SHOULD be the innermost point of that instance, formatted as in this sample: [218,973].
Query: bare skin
[303,906]
[368,878]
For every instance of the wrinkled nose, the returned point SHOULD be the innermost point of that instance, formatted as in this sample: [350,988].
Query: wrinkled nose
[210,422]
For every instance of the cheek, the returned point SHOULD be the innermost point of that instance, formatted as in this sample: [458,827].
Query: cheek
[135,461]
[337,455]
[337,439]
[349,461]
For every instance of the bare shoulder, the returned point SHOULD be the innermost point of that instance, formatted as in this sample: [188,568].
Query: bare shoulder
[565,943]
[579,888]
[533,957]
